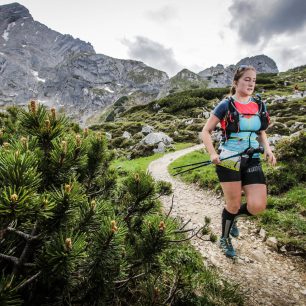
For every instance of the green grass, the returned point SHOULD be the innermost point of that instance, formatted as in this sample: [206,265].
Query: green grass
[285,217]
[204,176]
[135,164]
[142,163]
[183,145]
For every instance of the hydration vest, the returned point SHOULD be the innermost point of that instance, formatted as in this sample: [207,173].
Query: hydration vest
[230,124]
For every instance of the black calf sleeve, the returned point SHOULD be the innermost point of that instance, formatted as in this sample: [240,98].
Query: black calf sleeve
[243,210]
[227,222]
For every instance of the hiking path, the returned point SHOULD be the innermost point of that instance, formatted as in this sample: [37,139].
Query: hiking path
[266,276]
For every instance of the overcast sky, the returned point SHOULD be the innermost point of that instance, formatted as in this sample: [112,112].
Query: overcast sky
[174,34]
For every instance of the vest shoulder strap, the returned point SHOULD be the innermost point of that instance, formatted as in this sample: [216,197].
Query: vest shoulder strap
[231,107]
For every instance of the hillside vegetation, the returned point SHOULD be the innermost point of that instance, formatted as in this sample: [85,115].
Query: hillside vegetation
[183,115]
[73,233]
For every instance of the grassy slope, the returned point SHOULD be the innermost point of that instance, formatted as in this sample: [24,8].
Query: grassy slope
[288,220]
[285,214]
[142,163]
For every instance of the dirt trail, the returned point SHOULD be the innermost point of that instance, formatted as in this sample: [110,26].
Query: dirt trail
[267,277]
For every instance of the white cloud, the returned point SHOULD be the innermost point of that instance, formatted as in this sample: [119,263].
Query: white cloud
[163,14]
[152,53]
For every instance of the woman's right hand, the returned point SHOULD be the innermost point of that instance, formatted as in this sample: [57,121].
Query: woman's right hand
[215,159]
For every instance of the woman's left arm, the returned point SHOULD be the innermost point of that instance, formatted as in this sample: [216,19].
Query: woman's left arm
[263,140]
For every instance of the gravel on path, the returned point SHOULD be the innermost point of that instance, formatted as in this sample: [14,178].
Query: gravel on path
[266,276]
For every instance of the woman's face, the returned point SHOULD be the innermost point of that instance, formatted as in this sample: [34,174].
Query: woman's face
[246,84]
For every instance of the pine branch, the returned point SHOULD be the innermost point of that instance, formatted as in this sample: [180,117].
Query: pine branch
[185,224]
[125,281]
[29,264]
[168,214]
[188,238]
[200,237]
[183,231]
[22,234]
[172,290]
[2,232]
[9,258]
[96,192]
[154,199]
[29,280]
[25,251]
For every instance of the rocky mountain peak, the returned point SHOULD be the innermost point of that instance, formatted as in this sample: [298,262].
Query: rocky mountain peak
[13,11]
[220,76]
[62,71]
[186,74]
[262,63]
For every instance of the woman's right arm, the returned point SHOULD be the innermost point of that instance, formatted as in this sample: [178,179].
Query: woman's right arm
[206,136]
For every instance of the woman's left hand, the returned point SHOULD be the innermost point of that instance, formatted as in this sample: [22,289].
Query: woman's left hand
[270,157]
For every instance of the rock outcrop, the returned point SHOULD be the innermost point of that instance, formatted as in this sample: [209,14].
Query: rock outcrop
[39,63]
[59,70]
[183,80]
[221,76]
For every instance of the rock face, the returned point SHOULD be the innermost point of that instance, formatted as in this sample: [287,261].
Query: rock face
[221,76]
[215,77]
[183,80]
[59,70]
[37,62]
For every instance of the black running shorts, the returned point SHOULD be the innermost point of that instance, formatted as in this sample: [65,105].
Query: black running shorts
[250,173]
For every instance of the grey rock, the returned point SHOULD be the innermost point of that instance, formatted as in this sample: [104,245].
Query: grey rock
[59,70]
[272,242]
[147,129]
[216,136]
[188,122]
[262,233]
[160,148]
[156,138]
[66,72]
[258,256]
[275,139]
[296,126]
[108,135]
[206,115]
[126,135]
[156,107]
[221,76]
[183,80]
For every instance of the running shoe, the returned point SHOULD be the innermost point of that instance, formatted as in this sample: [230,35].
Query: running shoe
[227,247]
[234,230]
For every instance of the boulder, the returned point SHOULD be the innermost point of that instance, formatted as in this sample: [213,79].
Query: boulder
[188,122]
[272,242]
[206,115]
[156,138]
[126,135]
[147,129]
[297,126]
[108,135]
[156,107]
[274,139]
[161,148]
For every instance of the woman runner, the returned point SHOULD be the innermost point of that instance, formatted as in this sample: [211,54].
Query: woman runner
[243,120]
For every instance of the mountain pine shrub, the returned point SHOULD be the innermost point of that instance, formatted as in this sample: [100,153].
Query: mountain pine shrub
[72,234]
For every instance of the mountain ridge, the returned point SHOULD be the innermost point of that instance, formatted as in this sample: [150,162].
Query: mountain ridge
[39,63]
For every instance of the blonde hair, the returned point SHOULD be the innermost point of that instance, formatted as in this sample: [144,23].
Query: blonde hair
[238,74]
